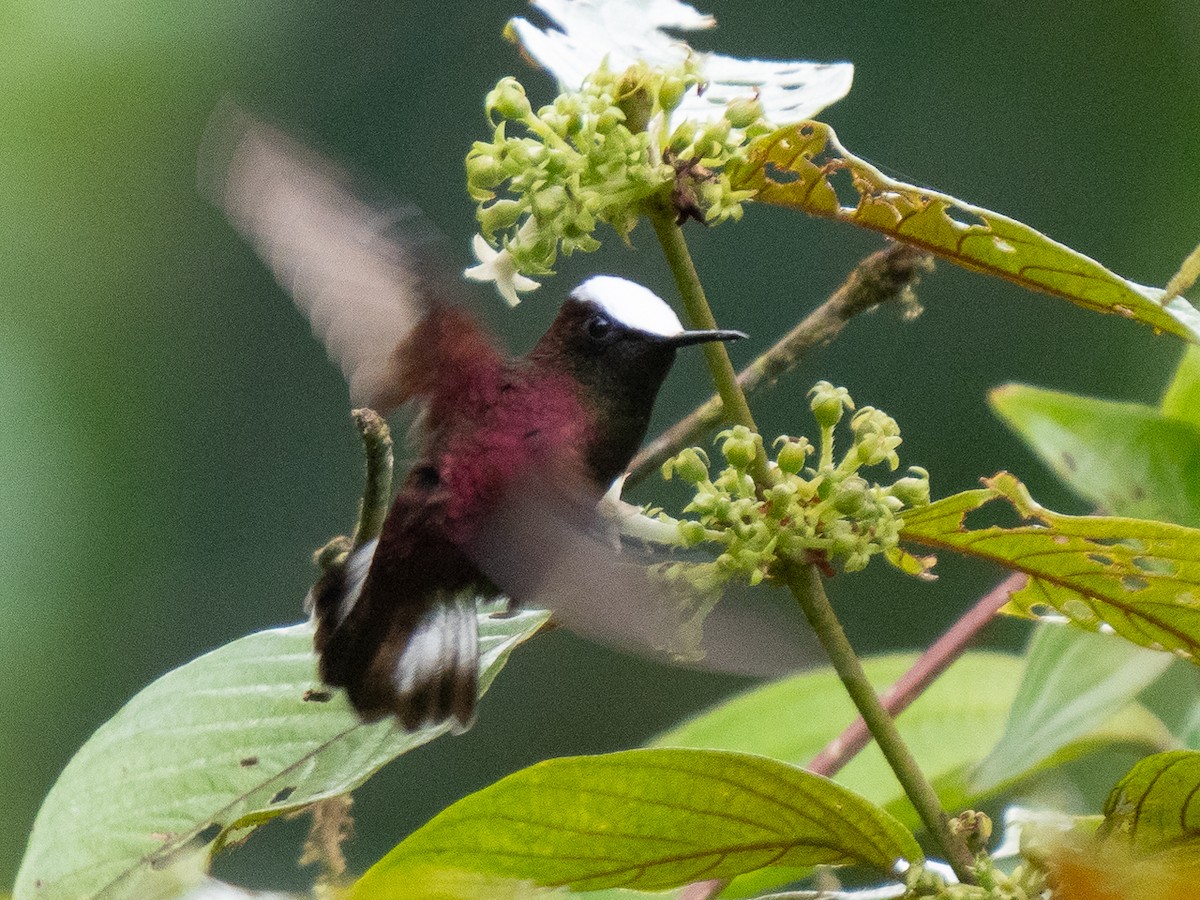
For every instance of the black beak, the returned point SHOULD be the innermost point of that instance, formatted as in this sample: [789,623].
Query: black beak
[687,338]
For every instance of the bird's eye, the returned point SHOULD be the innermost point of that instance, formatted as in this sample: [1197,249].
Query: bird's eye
[598,327]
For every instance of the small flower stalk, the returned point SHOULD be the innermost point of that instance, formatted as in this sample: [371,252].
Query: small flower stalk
[828,513]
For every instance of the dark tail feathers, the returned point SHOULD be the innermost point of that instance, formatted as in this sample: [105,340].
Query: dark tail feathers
[415,659]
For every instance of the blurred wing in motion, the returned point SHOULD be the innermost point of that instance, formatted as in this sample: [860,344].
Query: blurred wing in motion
[363,275]
[544,544]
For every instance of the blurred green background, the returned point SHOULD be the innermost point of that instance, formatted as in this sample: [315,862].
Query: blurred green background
[173,443]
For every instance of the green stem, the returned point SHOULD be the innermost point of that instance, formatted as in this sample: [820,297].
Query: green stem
[733,400]
[806,586]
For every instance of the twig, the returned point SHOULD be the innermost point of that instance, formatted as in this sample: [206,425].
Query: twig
[882,276]
[806,587]
[932,663]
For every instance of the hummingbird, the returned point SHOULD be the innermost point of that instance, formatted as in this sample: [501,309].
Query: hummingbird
[512,453]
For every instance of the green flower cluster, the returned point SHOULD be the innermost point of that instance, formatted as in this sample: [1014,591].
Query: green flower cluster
[828,514]
[599,154]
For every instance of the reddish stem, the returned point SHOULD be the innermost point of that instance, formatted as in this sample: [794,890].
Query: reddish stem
[933,662]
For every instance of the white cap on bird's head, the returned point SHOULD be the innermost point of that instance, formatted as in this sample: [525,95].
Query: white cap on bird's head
[630,304]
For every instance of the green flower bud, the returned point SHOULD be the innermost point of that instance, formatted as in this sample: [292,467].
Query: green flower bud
[499,215]
[683,136]
[740,446]
[793,454]
[690,464]
[484,169]
[691,533]
[828,403]
[744,112]
[780,497]
[610,119]
[870,420]
[913,490]
[635,101]
[856,562]
[508,100]
[549,202]
[670,92]
[714,136]
[851,495]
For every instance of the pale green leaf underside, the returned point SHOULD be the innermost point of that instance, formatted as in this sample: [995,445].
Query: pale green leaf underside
[1127,458]
[805,167]
[1073,682]
[225,741]
[646,820]
[1181,400]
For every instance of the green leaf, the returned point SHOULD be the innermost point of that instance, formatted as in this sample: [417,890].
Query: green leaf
[1127,458]
[208,752]
[1139,578]
[1073,682]
[1175,699]
[642,819]
[975,693]
[804,167]
[1156,806]
[794,718]
[1182,399]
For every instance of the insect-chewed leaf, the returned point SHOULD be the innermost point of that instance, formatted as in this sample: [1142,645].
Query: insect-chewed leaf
[647,820]
[803,166]
[1128,458]
[1139,578]
[210,751]
[1156,806]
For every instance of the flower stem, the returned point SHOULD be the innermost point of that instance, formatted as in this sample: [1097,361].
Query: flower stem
[733,400]
[944,652]
[806,587]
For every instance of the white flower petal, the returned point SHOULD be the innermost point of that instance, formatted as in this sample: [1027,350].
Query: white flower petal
[498,266]
[625,31]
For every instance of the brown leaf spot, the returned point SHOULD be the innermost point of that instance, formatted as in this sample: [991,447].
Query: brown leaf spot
[248,762]
[283,794]
[314,696]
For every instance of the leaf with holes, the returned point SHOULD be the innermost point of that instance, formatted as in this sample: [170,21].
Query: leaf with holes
[1140,578]
[1127,458]
[800,167]
[1156,806]
[643,819]
[205,754]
